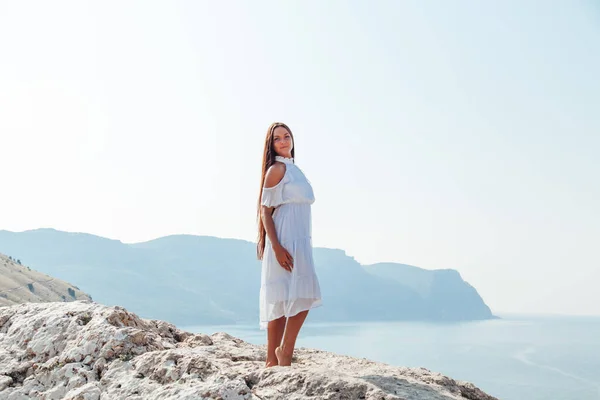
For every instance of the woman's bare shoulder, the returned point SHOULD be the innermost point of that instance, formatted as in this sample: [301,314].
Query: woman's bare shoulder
[274,174]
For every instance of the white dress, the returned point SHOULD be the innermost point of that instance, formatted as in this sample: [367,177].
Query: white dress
[284,293]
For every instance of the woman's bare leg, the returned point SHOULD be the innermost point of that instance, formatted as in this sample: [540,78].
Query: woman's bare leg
[285,352]
[275,331]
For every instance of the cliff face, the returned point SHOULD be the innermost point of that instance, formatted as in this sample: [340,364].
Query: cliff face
[21,284]
[84,350]
[446,295]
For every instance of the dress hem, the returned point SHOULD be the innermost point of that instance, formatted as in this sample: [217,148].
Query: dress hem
[263,324]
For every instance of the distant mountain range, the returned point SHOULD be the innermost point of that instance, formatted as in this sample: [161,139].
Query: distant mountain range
[190,280]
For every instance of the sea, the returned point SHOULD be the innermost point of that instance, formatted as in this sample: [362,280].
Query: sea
[515,357]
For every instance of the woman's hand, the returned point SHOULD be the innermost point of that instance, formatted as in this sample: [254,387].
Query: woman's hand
[284,258]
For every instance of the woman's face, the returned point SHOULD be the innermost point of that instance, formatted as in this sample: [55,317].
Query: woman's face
[282,142]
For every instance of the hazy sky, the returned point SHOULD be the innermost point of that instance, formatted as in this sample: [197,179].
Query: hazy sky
[460,134]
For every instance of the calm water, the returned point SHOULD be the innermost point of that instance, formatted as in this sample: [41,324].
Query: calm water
[532,358]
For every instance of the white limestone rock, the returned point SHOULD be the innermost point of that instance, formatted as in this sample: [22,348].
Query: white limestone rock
[86,351]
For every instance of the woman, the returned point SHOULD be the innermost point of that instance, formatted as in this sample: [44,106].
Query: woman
[289,284]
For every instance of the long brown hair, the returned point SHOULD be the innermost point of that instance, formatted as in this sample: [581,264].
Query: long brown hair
[268,160]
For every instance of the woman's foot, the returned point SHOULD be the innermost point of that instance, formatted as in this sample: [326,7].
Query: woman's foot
[284,358]
[271,363]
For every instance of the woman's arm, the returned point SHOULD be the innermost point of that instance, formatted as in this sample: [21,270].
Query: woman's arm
[273,177]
